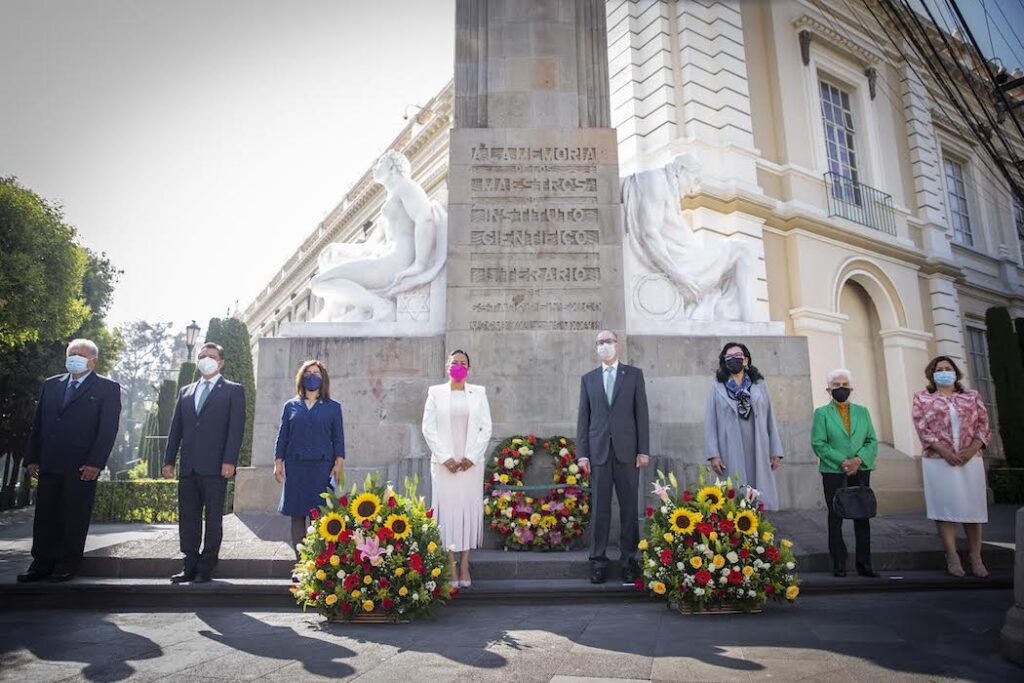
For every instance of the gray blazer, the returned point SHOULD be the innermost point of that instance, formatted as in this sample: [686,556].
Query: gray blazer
[623,424]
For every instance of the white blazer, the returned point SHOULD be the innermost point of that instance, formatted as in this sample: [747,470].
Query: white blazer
[437,423]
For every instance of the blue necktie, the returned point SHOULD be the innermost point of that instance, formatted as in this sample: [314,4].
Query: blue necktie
[69,393]
[609,383]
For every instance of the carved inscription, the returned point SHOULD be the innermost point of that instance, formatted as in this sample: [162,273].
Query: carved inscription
[534,238]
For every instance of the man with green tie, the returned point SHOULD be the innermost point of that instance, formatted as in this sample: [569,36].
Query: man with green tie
[843,438]
[208,422]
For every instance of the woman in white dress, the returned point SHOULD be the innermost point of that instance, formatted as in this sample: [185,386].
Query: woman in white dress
[457,429]
[952,423]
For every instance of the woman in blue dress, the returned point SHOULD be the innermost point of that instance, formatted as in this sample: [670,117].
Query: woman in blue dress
[310,447]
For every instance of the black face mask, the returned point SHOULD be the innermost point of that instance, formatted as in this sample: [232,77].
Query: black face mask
[734,365]
[841,394]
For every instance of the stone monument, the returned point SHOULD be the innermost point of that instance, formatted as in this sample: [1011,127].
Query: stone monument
[534,269]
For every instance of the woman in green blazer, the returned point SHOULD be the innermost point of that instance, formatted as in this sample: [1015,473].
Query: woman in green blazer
[844,440]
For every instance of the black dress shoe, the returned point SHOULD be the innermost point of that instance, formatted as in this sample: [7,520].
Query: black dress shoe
[202,578]
[31,576]
[866,570]
[839,571]
[598,575]
[60,576]
[630,575]
[183,577]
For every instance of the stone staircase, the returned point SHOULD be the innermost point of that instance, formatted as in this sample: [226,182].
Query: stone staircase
[897,482]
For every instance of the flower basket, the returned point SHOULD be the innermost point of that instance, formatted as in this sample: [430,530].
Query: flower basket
[372,556]
[554,520]
[708,549]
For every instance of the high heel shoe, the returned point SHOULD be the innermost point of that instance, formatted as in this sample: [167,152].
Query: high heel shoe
[978,567]
[953,565]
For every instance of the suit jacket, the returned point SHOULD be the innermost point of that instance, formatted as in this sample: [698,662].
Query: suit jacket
[212,437]
[930,413]
[437,430]
[623,424]
[64,438]
[833,445]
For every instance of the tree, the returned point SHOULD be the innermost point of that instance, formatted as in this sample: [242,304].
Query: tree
[1007,371]
[187,374]
[233,336]
[41,270]
[24,367]
[164,412]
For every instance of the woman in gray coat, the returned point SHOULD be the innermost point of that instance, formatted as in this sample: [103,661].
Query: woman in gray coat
[740,435]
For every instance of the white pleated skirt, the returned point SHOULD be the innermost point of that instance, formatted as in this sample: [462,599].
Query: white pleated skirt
[458,501]
[955,494]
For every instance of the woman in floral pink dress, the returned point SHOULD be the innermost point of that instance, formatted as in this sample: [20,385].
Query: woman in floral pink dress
[952,423]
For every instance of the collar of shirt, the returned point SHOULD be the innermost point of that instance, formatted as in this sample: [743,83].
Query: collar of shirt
[80,379]
[614,366]
[213,381]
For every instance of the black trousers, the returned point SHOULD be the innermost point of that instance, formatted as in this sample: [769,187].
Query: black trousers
[201,497]
[861,527]
[63,511]
[624,477]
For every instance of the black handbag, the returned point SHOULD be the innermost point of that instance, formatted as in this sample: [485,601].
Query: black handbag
[855,502]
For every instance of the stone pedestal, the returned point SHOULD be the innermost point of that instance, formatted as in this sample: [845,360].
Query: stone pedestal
[1012,635]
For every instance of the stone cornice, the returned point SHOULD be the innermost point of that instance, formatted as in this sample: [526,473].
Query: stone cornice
[868,57]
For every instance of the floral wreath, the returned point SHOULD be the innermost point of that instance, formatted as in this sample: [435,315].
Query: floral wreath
[526,522]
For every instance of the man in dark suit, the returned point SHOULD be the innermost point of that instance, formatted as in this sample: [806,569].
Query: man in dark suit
[75,427]
[612,443]
[208,422]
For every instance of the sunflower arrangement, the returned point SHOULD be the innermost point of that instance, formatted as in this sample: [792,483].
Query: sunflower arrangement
[526,522]
[709,547]
[372,553]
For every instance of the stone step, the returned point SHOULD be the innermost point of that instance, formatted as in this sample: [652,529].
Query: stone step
[160,594]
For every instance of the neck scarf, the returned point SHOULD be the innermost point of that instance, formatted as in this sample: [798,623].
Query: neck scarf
[741,394]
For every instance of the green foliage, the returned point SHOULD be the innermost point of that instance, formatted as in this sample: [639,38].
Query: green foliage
[138,472]
[1007,484]
[24,367]
[153,501]
[149,449]
[187,374]
[233,336]
[41,270]
[165,405]
[1007,371]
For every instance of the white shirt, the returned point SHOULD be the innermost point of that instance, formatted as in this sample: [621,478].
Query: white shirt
[199,388]
[614,366]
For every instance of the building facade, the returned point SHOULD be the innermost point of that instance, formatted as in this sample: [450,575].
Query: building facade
[884,232]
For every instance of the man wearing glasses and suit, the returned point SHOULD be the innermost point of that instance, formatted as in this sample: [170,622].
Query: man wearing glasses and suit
[208,422]
[74,430]
[612,444]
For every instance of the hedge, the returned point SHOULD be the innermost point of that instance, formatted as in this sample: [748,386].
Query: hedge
[233,336]
[152,501]
[1007,484]
[1007,372]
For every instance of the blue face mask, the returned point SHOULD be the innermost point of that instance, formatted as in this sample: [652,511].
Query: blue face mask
[76,365]
[312,382]
[944,378]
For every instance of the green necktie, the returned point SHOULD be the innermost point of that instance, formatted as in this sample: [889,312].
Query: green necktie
[609,383]
[203,396]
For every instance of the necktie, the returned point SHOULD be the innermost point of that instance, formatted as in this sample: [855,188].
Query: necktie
[203,396]
[70,392]
[609,383]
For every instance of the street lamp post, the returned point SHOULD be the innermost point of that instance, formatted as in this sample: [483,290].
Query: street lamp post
[191,337]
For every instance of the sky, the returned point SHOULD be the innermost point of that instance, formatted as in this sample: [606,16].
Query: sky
[198,142]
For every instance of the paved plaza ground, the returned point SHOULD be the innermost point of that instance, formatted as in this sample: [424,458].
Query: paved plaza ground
[936,635]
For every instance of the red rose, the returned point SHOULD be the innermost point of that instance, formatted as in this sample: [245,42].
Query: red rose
[547,444]
[328,585]
[387,603]
[639,584]
[735,540]
[532,439]
[314,596]
[735,578]
[314,513]
[649,511]
[398,547]
[702,577]
[366,524]
[357,557]
[769,589]
[505,451]
[730,494]
[760,507]
[713,518]
[666,556]
[744,553]
[772,553]
[436,592]
[351,581]
[343,501]
[416,562]
[384,533]
[392,502]
[383,582]
[430,513]
[346,608]
[704,529]
[453,592]
[345,536]
[726,527]
[687,496]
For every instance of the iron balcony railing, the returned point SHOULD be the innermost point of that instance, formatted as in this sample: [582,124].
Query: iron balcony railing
[859,203]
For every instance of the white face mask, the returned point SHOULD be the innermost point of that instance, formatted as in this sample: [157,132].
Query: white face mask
[207,365]
[606,351]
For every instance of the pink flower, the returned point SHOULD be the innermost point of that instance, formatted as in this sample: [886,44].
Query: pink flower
[661,491]
[371,550]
